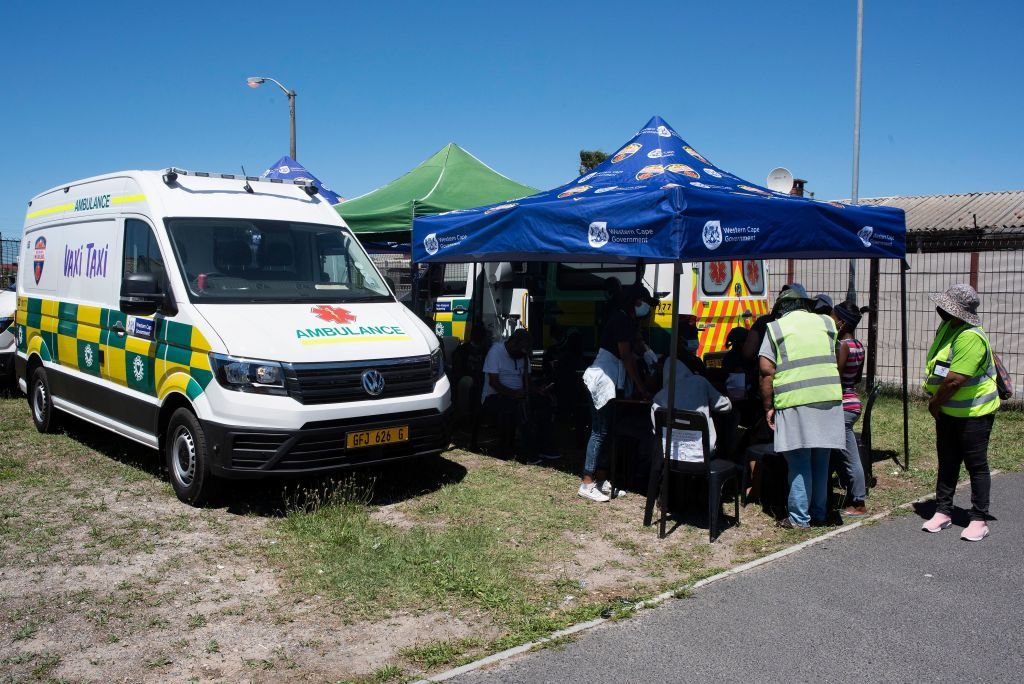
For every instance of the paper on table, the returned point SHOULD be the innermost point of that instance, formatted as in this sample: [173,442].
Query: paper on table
[687,445]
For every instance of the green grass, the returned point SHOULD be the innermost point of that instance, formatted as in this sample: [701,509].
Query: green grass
[474,544]
[497,549]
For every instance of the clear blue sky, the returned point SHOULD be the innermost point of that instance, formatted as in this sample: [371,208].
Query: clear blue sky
[97,87]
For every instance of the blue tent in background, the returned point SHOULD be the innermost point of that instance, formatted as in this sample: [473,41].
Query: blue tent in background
[659,200]
[288,168]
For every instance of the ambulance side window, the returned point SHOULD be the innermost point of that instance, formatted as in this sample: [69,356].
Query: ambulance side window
[753,276]
[715,277]
[141,251]
[454,279]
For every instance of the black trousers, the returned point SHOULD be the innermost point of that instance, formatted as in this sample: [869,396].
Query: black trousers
[532,419]
[963,440]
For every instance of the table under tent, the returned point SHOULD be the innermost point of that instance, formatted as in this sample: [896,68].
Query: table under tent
[658,200]
[449,180]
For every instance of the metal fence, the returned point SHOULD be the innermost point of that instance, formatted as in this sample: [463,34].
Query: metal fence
[995,267]
[394,266]
[8,261]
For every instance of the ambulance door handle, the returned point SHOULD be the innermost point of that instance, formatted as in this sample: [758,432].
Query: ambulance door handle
[118,327]
[460,310]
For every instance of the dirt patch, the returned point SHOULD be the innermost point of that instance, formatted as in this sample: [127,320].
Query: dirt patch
[105,576]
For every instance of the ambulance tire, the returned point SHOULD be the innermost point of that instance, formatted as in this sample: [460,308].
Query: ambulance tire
[40,402]
[188,460]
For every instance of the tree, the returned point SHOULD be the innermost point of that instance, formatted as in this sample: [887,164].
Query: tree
[589,159]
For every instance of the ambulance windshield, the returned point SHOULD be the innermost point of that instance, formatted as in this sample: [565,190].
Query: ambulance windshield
[250,260]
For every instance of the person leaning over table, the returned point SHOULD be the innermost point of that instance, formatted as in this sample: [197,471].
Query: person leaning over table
[961,379]
[803,401]
[614,365]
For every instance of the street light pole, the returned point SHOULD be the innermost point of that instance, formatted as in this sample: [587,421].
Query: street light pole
[851,291]
[256,82]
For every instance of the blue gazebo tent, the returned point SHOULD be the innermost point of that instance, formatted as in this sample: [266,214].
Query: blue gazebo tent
[289,169]
[659,200]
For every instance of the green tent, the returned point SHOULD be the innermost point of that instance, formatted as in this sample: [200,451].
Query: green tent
[451,179]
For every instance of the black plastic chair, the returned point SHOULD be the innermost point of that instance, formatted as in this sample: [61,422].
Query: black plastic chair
[717,471]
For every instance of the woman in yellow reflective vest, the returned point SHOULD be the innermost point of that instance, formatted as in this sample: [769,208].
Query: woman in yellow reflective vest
[803,401]
[961,379]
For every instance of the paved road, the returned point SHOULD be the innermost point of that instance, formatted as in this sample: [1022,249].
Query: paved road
[883,603]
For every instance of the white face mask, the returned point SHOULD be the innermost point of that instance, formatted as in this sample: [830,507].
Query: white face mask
[642,310]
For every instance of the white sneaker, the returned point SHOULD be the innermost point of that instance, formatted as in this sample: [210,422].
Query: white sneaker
[590,491]
[606,489]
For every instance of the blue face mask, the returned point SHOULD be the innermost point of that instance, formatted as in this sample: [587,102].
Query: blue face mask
[692,345]
[642,310]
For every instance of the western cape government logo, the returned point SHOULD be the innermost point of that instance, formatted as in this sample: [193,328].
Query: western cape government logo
[865,234]
[430,244]
[345,329]
[597,234]
[712,235]
[38,257]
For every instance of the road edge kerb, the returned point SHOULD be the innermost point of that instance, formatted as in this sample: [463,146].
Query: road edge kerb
[673,593]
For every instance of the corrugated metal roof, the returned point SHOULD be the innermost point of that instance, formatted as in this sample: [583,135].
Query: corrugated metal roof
[989,211]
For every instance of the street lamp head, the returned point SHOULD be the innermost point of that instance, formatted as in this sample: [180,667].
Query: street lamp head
[255,81]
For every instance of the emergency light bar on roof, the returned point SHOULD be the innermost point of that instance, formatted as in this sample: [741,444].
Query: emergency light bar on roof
[171,175]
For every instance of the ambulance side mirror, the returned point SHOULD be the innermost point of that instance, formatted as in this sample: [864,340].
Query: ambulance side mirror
[140,294]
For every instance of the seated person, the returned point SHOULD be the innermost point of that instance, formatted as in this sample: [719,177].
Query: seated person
[558,338]
[468,362]
[693,393]
[508,395]
[689,343]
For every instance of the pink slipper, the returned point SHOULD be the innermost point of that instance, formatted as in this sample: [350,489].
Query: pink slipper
[975,531]
[939,522]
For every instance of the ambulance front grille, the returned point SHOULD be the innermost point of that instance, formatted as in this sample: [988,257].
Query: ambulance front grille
[331,383]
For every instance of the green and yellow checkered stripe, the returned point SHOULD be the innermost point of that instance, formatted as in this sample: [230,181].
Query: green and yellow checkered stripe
[79,337]
[454,324]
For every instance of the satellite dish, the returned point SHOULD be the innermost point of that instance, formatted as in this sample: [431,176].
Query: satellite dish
[780,180]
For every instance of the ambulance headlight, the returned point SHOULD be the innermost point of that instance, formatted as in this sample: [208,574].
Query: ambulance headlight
[248,375]
[437,363]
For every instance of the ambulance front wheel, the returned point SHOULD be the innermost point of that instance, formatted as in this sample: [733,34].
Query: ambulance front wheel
[41,402]
[188,460]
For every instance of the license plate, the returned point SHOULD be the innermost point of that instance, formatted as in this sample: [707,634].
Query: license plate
[368,438]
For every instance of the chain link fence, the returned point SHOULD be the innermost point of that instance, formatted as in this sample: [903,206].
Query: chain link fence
[8,261]
[993,266]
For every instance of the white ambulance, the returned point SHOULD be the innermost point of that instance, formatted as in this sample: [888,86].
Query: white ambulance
[235,323]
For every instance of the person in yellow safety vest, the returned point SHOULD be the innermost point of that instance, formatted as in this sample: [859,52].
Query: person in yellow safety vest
[961,380]
[802,400]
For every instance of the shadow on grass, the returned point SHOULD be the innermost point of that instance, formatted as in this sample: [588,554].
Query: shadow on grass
[274,496]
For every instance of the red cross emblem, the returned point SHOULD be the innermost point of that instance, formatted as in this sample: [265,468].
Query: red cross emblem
[333,314]
[718,272]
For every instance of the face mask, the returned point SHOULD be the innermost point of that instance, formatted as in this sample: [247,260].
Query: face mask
[692,345]
[642,310]
[943,315]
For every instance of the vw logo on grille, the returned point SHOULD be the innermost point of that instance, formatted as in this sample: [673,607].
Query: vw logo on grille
[373,382]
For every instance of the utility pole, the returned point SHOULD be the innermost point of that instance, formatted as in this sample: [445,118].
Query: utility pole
[851,291]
